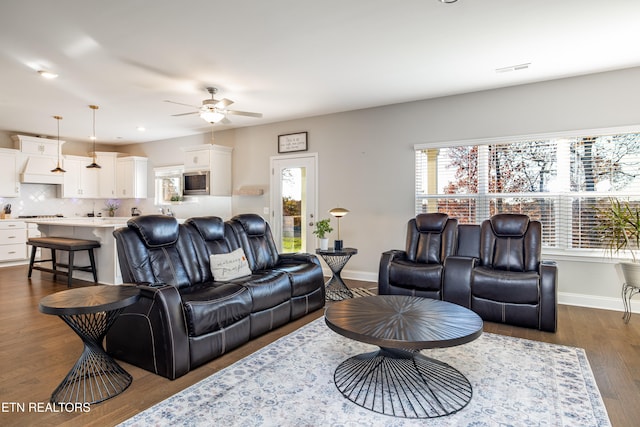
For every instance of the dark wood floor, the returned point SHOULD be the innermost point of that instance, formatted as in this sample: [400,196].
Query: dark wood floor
[37,350]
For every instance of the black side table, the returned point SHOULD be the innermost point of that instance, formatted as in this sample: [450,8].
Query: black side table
[90,312]
[336,289]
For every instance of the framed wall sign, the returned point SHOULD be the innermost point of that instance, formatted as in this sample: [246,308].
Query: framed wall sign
[292,142]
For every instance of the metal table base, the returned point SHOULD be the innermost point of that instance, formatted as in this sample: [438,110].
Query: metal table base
[403,384]
[335,288]
[95,377]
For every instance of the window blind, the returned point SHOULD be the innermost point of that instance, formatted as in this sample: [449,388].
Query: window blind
[563,182]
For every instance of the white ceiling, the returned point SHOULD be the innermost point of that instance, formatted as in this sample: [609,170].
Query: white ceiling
[284,58]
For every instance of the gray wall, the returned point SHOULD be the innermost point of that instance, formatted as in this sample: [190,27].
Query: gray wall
[366,159]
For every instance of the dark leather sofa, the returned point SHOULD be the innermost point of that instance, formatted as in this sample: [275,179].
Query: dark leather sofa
[184,317]
[494,269]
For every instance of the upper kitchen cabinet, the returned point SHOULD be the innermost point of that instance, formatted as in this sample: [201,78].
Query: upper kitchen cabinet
[215,159]
[79,182]
[131,177]
[9,184]
[106,174]
[36,145]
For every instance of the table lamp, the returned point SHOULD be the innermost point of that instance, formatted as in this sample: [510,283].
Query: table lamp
[338,213]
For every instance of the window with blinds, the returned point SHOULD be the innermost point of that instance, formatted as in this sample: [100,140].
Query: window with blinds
[562,182]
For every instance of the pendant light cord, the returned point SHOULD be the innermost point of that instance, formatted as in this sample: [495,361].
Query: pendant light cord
[94,164]
[58,169]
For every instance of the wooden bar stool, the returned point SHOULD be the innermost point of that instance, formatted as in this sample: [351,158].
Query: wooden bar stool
[69,245]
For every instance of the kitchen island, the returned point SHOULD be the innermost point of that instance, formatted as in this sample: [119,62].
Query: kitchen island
[100,229]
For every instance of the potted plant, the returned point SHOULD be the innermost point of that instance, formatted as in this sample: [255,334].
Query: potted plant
[112,206]
[620,224]
[322,228]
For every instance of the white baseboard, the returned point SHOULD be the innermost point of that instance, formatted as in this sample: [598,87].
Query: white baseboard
[364,276]
[566,298]
[14,263]
[595,301]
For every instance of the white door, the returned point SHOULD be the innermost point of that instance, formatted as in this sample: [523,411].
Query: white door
[293,202]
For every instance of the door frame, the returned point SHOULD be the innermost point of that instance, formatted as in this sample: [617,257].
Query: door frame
[275,185]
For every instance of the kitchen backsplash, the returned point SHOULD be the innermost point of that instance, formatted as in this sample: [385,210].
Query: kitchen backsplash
[42,199]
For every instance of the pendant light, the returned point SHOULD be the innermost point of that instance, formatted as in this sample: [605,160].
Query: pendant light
[58,169]
[93,164]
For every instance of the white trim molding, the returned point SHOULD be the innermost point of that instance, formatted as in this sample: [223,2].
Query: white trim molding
[618,130]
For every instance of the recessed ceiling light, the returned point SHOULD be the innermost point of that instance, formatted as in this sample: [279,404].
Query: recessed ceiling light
[141,128]
[513,68]
[448,1]
[47,74]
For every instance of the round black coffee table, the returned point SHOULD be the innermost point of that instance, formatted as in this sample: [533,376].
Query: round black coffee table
[90,312]
[397,380]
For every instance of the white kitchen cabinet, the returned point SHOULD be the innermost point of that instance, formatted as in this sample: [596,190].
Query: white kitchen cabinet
[197,159]
[13,238]
[9,181]
[213,158]
[131,177]
[31,145]
[106,174]
[79,182]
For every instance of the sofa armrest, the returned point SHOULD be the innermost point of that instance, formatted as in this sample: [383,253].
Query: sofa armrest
[152,333]
[298,258]
[548,296]
[456,283]
[383,272]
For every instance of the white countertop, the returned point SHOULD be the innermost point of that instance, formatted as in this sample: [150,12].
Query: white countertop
[81,221]
[113,222]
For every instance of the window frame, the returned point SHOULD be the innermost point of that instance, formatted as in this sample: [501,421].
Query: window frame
[565,252]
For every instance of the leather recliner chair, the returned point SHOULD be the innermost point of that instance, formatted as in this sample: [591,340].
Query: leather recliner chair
[419,269]
[253,233]
[510,283]
[494,269]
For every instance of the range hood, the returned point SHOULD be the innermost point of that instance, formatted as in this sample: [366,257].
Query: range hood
[37,170]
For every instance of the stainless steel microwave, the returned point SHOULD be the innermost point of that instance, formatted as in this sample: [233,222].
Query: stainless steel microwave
[195,183]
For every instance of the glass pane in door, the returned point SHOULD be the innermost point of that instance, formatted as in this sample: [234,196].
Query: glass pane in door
[293,184]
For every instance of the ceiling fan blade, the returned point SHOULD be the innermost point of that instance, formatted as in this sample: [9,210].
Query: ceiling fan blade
[243,113]
[185,114]
[223,103]
[180,103]
[225,121]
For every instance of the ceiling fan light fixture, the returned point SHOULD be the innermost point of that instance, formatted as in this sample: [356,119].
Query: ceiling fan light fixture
[58,169]
[47,74]
[94,164]
[212,115]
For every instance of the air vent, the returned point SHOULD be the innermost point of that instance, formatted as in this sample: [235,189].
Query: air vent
[513,68]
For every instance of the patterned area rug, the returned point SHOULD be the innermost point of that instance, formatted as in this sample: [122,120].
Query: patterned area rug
[515,382]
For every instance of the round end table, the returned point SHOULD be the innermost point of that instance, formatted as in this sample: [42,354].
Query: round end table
[335,288]
[90,312]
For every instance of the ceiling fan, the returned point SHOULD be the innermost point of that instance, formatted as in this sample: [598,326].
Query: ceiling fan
[215,110]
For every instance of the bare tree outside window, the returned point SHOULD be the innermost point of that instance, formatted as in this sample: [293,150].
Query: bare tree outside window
[563,191]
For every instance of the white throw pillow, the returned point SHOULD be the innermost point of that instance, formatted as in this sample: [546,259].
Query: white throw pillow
[229,266]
